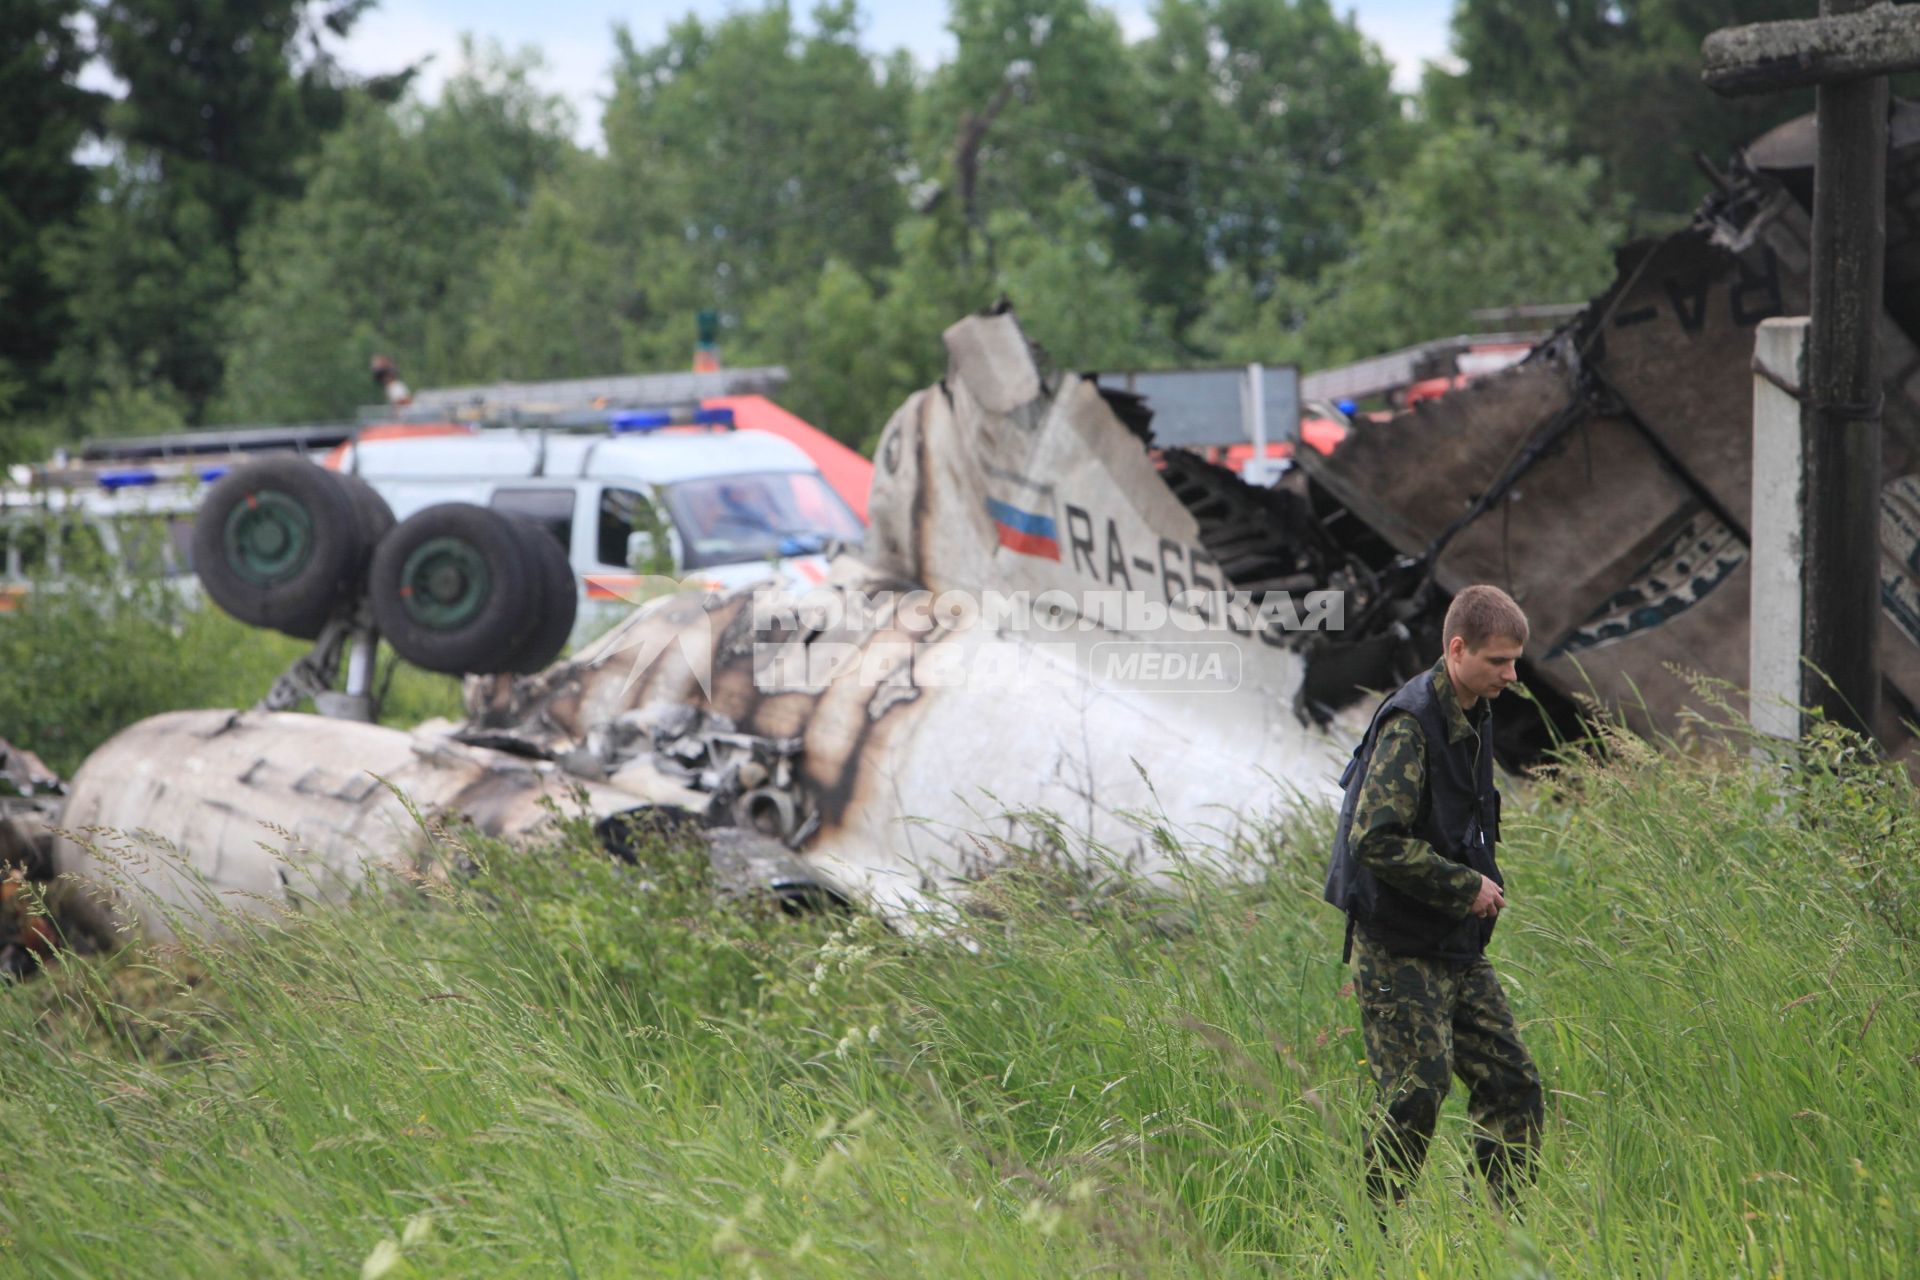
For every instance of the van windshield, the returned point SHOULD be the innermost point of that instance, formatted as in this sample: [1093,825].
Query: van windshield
[729,519]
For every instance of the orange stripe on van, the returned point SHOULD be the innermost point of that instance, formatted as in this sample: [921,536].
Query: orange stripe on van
[611,586]
[620,586]
[396,431]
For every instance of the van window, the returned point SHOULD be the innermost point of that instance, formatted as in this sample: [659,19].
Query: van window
[551,509]
[623,513]
[82,550]
[30,549]
[733,519]
[44,546]
[180,530]
[154,546]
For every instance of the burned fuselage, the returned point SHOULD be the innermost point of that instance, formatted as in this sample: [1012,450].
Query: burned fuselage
[1058,636]
[1036,647]
[1036,626]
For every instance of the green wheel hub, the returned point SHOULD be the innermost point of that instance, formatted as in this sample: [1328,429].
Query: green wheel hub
[268,538]
[444,583]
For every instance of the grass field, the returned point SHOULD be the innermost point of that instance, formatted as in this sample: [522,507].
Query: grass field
[564,1067]
[78,665]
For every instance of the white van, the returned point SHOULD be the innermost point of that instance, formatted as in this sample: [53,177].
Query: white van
[125,505]
[116,522]
[644,496]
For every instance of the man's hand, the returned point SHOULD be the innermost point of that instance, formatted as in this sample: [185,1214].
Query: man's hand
[1490,901]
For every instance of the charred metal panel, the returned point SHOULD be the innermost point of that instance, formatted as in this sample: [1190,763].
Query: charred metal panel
[31,795]
[1673,340]
[1569,533]
[1786,154]
[1625,538]
[1759,219]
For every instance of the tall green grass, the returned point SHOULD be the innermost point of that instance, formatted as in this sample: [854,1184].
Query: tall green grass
[552,1065]
[84,660]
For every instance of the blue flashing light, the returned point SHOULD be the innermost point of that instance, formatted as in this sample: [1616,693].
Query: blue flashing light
[209,474]
[115,480]
[721,417]
[803,544]
[1346,406]
[642,420]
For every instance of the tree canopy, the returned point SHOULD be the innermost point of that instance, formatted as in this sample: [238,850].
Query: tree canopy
[1240,180]
[44,188]
[1621,78]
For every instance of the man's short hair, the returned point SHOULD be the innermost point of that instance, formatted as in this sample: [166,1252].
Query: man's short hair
[1481,614]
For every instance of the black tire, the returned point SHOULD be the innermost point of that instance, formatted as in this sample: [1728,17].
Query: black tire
[278,543]
[375,516]
[559,599]
[454,589]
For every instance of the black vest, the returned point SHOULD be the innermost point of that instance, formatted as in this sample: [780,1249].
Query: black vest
[1459,816]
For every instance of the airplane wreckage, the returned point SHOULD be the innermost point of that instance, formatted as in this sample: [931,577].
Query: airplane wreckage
[1046,567]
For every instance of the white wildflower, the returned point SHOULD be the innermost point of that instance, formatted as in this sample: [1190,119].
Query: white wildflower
[384,1258]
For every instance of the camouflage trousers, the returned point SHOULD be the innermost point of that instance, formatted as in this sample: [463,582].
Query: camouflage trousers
[1427,1020]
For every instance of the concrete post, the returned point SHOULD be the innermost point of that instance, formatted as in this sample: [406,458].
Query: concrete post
[1253,413]
[1776,675]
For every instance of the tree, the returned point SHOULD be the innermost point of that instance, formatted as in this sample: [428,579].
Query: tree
[552,296]
[1621,78]
[1273,121]
[225,101]
[755,152]
[831,334]
[1485,215]
[856,350]
[1241,132]
[145,276]
[1040,94]
[387,250]
[1075,296]
[223,105]
[44,116]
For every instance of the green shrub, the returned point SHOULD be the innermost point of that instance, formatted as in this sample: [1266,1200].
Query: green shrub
[84,658]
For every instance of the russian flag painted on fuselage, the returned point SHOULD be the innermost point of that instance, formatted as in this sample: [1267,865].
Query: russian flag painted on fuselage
[1027,532]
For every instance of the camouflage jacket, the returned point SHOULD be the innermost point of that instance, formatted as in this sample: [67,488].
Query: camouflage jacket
[1389,805]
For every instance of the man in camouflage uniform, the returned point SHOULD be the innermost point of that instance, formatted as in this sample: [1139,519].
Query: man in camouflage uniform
[1417,838]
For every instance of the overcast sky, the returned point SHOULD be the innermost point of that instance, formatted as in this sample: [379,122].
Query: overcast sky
[575,35]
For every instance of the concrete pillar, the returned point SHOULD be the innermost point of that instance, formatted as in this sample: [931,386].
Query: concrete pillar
[1775,670]
[1253,416]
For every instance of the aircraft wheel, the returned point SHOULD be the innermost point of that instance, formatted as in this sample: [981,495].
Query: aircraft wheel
[558,599]
[278,543]
[454,589]
[369,508]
